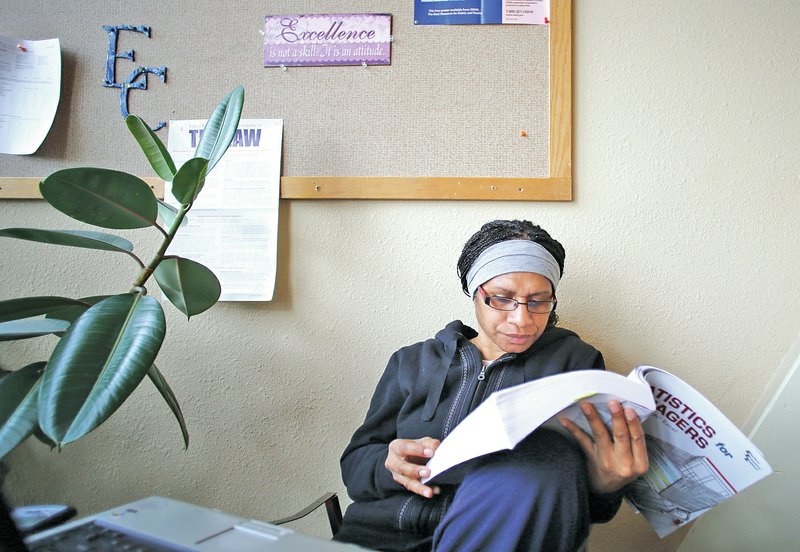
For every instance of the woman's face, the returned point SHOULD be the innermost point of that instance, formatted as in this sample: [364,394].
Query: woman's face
[511,331]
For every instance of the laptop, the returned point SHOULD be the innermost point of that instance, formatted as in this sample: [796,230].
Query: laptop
[164,524]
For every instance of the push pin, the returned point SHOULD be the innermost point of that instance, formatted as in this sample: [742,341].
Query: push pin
[364,64]
[283,67]
[21,48]
[523,134]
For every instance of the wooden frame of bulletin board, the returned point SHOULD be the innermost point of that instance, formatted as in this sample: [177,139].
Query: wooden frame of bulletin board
[556,186]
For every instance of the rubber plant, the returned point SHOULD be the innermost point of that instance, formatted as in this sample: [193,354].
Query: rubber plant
[108,344]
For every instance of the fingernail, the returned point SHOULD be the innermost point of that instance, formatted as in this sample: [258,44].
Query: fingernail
[630,414]
[586,408]
[614,407]
[428,452]
[423,473]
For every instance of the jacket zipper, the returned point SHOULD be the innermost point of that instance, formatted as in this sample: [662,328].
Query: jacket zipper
[483,383]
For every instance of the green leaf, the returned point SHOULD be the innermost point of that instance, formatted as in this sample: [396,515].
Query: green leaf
[98,363]
[26,307]
[71,314]
[42,438]
[74,238]
[168,213]
[189,180]
[166,391]
[18,394]
[102,197]
[188,285]
[221,127]
[31,327]
[153,148]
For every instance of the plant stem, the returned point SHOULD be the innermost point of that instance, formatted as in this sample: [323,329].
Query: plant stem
[147,271]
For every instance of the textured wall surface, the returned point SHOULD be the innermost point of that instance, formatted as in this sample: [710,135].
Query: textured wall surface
[681,252]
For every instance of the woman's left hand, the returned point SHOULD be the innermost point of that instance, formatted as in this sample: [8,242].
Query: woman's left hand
[613,458]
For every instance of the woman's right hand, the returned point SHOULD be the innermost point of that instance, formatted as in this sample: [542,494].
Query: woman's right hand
[406,461]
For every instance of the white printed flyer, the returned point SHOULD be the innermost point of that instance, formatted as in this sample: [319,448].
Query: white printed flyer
[30,89]
[233,226]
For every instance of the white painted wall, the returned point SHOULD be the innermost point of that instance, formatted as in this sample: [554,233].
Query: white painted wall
[681,252]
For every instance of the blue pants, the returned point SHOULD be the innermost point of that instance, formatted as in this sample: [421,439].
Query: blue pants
[534,498]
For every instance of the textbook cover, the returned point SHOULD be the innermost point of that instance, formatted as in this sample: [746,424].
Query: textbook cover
[698,458]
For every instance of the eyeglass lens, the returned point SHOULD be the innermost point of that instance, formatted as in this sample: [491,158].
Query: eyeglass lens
[508,304]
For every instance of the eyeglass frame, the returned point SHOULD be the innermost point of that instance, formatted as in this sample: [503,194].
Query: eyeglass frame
[509,300]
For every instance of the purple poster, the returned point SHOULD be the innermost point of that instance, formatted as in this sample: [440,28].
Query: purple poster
[334,39]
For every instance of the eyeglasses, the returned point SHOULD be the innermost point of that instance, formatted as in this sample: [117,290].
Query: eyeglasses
[508,304]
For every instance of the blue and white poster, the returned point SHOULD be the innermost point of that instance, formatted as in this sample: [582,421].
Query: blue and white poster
[481,12]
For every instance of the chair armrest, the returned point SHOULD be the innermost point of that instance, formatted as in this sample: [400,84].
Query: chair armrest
[334,511]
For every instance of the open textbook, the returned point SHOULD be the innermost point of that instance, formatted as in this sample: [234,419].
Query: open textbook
[698,458]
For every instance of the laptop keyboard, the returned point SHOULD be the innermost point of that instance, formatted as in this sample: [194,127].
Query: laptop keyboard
[95,538]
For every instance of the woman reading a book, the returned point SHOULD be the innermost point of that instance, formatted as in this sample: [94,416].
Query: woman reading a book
[542,495]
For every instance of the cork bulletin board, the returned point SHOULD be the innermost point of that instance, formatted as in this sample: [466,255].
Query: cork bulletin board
[479,112]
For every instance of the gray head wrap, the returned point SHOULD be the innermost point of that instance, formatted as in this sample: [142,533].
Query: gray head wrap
[512,256]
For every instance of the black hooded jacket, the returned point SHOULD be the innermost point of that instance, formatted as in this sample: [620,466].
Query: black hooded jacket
[426,390]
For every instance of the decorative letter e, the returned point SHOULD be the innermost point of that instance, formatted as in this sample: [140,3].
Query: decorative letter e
[134,79]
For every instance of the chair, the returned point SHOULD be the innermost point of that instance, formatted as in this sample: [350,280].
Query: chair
[334,511]
[331,502]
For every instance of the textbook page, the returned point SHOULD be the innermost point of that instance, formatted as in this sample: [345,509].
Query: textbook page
[233,225]
[509,415]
